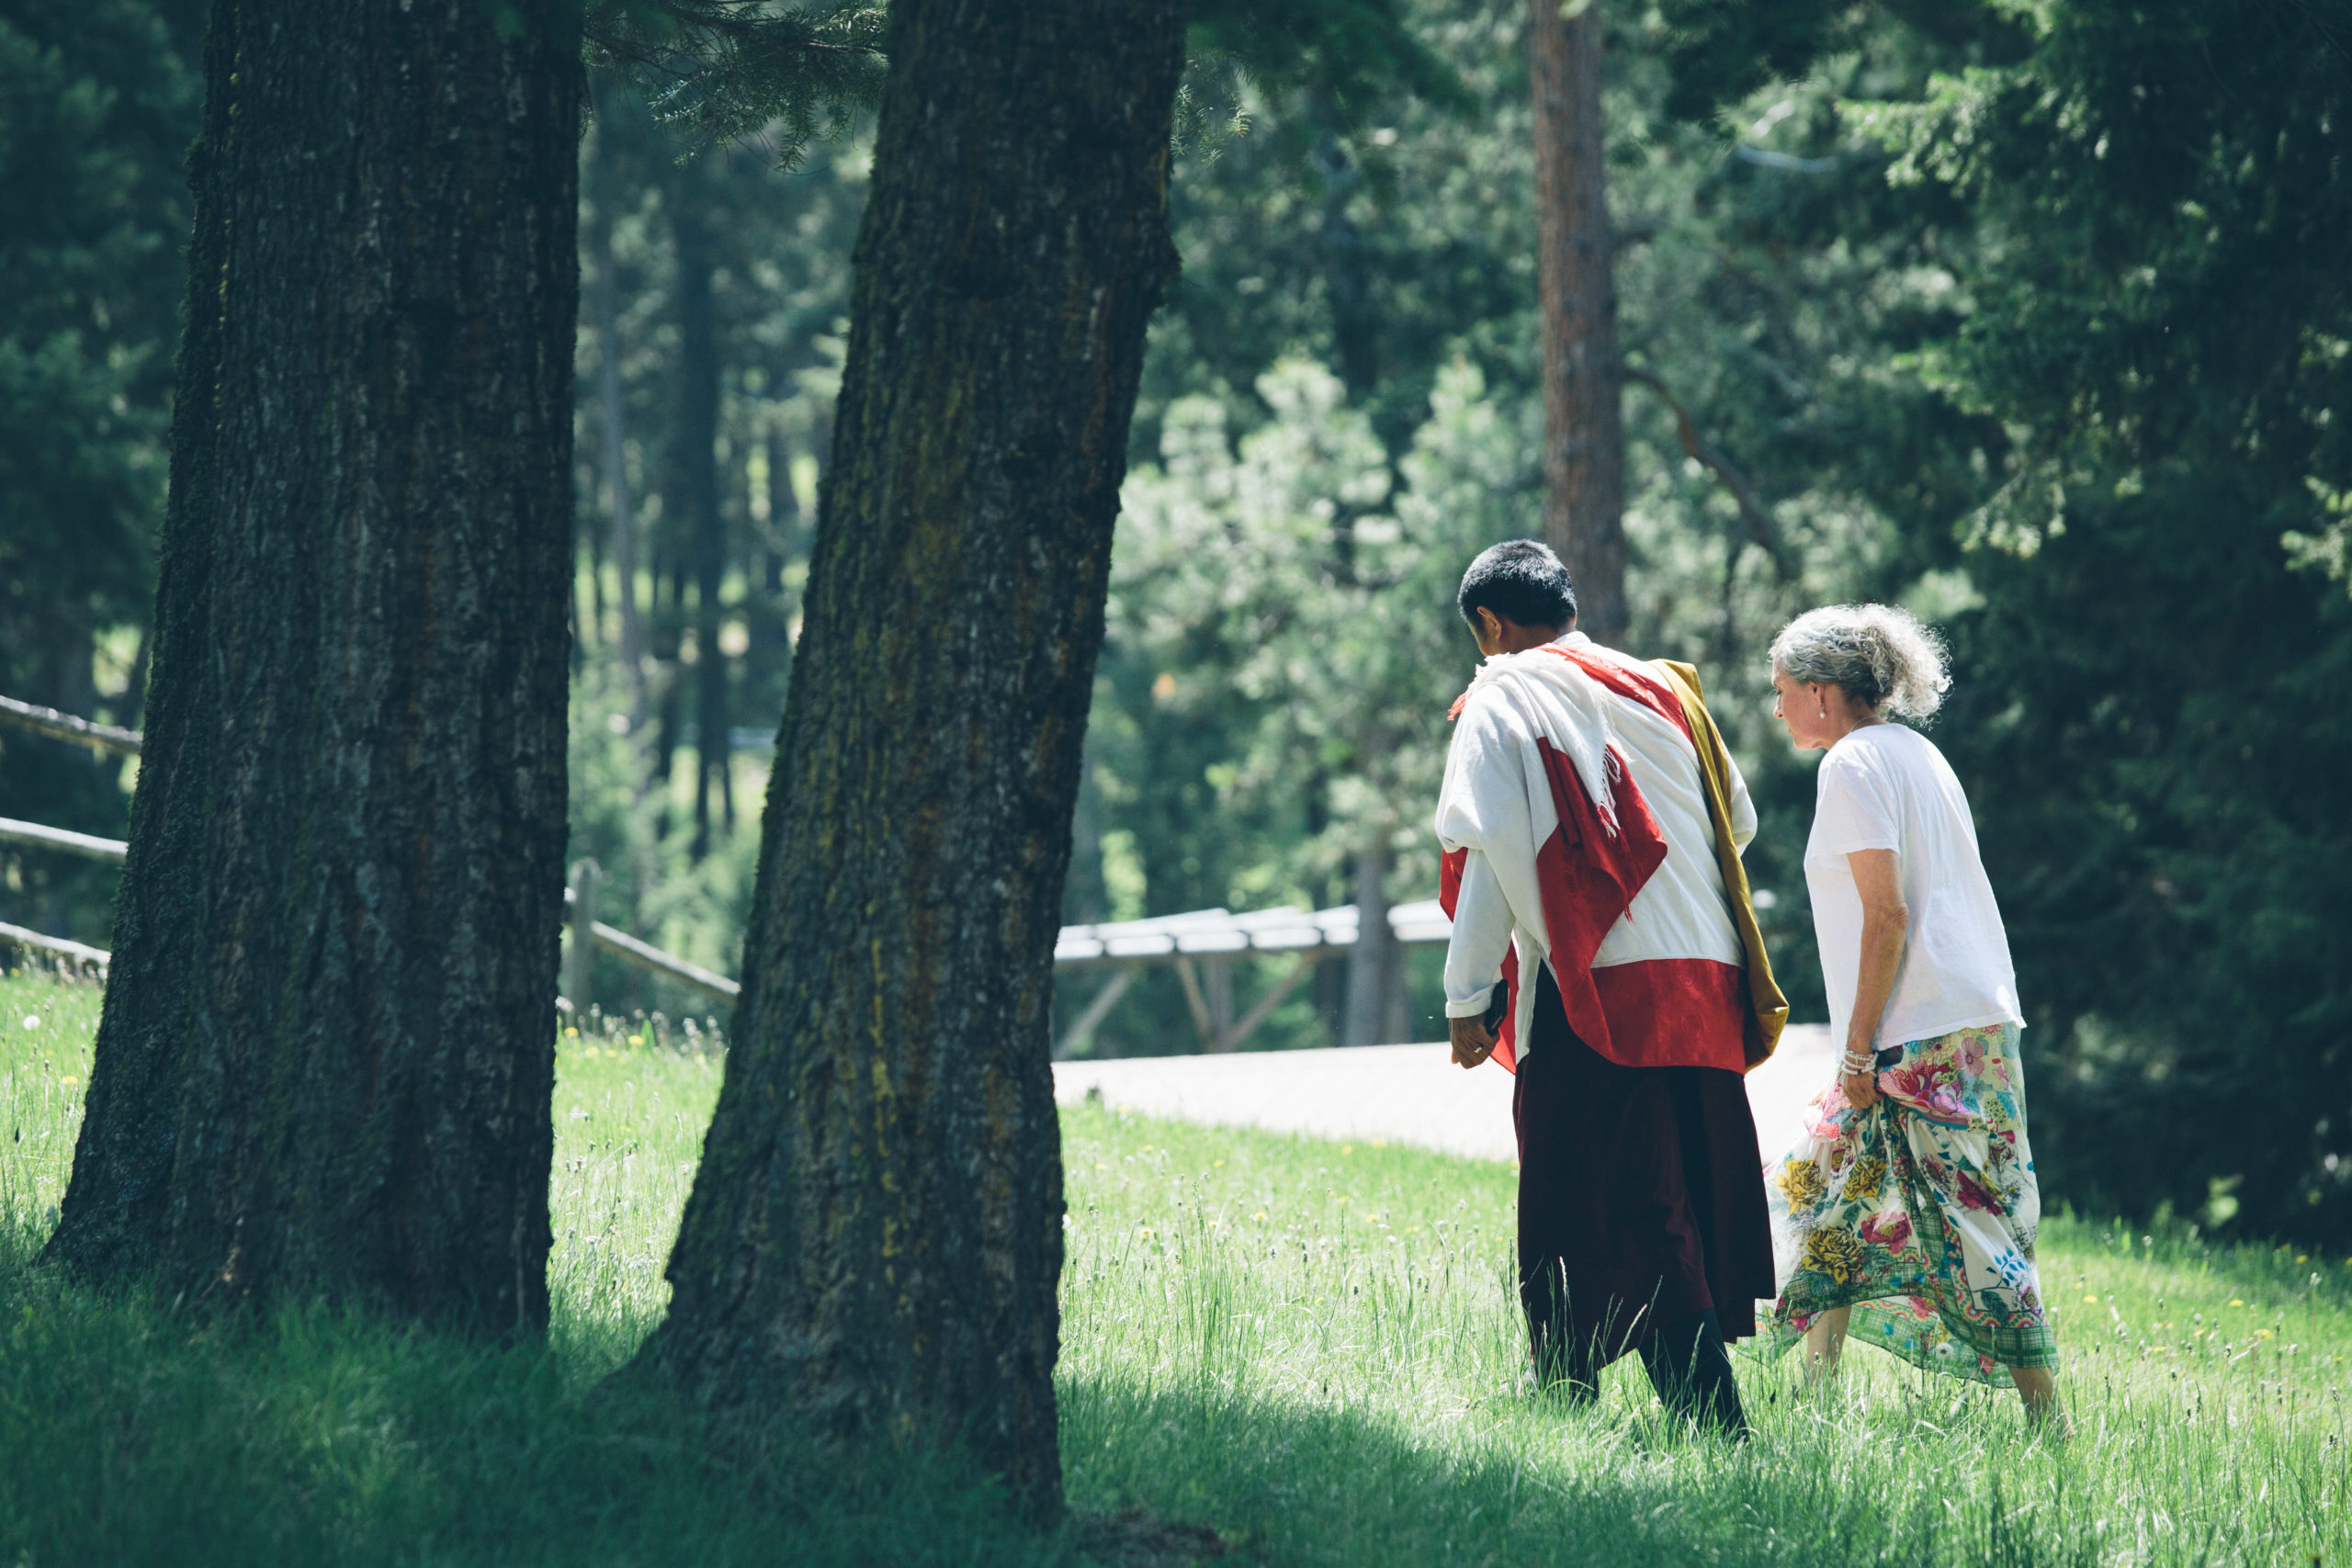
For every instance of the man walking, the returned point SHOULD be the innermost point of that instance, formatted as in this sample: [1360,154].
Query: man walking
[1604,948]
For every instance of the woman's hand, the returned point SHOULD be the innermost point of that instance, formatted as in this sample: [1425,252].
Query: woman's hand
[1861,1089]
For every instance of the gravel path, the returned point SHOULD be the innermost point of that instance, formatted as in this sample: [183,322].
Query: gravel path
[1408,1094]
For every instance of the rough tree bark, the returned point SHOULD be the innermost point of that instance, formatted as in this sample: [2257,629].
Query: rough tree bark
[326,1058]
[874,1240]
[1584,432]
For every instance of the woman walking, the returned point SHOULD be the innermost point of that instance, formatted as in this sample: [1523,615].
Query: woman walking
[1905,1214]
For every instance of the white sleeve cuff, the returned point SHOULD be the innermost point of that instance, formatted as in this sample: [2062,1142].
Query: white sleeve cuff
[1473,1009]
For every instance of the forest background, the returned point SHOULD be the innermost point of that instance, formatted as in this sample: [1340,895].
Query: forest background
[2030,317]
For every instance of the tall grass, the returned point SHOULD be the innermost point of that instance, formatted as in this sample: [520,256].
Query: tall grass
[1309,1347]
[130,1435]
[1315,1347]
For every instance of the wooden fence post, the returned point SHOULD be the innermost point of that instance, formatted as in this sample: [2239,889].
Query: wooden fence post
[578,963]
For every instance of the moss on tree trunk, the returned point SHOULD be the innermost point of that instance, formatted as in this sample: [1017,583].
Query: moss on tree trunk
[875,1237]
[326,1058]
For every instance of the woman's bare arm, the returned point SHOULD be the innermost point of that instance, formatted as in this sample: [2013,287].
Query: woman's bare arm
[1885,923]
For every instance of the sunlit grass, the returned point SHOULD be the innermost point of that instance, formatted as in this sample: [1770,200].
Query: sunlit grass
[629,1124]
[1315,1345]
[1309,1347]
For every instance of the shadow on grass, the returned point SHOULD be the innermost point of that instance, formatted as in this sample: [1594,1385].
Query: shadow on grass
[130,1436]
[1295,1483]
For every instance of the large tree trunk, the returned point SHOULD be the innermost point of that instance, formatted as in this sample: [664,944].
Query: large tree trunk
[874,1236]
[1584,432]
[326,1058]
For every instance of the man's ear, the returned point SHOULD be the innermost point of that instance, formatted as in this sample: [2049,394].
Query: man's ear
[1490,625]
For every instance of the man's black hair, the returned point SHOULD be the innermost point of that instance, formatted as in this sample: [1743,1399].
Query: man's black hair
[1520,579]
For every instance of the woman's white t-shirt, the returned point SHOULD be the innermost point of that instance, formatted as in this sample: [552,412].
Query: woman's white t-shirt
[1886,787]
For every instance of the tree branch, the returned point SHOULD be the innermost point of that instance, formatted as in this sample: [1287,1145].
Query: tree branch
[1758,521]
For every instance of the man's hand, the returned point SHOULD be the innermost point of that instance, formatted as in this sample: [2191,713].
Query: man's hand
[1473,1041]
[1861,1089]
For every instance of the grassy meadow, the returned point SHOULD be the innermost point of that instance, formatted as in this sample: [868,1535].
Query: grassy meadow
[1282,1350]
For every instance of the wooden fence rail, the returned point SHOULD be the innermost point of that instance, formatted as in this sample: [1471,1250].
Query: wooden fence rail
[66,727]
[37,836]
[1202,946]
[74,953]
[72,843]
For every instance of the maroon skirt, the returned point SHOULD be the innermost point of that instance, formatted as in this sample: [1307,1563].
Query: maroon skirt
[1641,1196]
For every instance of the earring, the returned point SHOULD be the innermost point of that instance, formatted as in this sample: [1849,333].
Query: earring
[1825,708]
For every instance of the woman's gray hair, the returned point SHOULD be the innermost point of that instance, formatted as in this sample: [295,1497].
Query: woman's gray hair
[1879,656]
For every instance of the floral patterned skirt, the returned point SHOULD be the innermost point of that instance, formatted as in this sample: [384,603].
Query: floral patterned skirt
[1918,1213]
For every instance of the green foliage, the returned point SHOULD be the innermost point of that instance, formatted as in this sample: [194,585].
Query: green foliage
[1358,56]
[1722,51]
[98,103]
[2147,711]
[1283,579]
[721,71]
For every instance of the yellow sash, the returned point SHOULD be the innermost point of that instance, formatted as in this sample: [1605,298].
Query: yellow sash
[1767,1009]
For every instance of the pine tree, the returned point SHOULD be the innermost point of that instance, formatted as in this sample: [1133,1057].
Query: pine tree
[874,1236]
[1584,420]
[326,1058]
[2148,708]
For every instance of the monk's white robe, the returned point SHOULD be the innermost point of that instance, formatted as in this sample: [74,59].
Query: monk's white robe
[1576,833]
